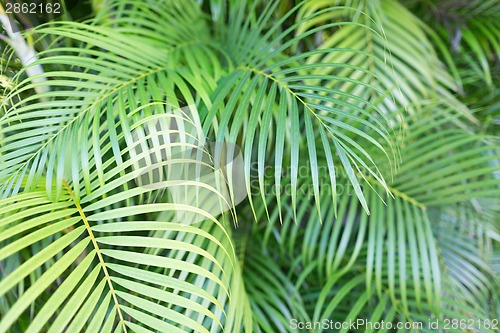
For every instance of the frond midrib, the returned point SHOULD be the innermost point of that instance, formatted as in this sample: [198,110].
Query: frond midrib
[99,254]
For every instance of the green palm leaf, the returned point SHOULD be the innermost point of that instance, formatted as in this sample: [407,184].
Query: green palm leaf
[369,156]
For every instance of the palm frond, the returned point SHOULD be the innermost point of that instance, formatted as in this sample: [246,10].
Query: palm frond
[105,84]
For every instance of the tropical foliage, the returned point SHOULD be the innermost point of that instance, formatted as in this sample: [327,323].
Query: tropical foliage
[369,135]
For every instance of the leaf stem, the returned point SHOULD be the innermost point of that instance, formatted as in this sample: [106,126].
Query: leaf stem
[99,254]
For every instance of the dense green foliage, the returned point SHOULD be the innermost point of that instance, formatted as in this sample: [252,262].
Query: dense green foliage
[370,136]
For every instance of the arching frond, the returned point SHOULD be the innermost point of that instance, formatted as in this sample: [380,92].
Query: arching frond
[111,77]
[136,263]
